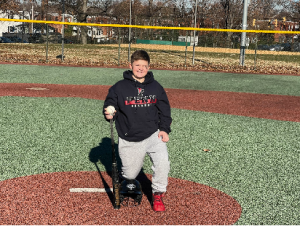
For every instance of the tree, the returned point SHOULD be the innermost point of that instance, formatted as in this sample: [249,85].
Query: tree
[81,9]
[9,5]
[232,11]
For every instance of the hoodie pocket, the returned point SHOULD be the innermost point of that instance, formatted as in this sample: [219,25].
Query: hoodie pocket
[129,131]
[142,129]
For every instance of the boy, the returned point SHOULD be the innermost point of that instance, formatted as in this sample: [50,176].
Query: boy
[143,119]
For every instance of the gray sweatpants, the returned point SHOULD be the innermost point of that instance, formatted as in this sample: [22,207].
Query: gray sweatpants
[132,155]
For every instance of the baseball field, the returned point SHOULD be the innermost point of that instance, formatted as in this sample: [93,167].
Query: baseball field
[56,156]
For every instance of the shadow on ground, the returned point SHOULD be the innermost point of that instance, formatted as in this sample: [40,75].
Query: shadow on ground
[103,154]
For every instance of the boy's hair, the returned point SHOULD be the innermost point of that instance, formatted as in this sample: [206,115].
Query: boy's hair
[140,55]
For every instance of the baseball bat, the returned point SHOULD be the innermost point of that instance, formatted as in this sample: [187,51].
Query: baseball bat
[115,174]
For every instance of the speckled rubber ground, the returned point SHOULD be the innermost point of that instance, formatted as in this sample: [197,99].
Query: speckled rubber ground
[278,107]
[46,198]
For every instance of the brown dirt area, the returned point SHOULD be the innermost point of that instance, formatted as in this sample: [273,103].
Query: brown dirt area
[205,49]
[162,57]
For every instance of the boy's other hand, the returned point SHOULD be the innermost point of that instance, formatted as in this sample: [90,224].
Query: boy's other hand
[108,115]
[164,136]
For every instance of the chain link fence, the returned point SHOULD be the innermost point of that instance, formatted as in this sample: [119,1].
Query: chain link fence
[108,46]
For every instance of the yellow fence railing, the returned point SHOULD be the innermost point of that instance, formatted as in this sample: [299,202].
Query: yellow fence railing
[150,27]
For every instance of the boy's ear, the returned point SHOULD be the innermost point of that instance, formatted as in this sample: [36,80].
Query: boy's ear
[130,66]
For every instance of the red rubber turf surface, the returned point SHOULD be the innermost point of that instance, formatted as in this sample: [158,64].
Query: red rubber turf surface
[46,199]
[266,106]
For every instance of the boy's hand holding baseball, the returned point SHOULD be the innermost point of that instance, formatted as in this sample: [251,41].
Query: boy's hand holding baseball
[109,112]
[164,136]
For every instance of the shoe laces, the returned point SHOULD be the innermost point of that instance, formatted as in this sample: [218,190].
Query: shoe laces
[157,197]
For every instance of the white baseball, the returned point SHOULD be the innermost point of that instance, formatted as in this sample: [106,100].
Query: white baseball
[110,110]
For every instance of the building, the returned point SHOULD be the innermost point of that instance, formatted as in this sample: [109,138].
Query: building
[7,27]
[26,30]
[282,25]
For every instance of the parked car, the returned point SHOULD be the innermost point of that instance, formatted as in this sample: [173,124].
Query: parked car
[17,40]
[67,41]
[5,40]
[296,47]
[35,38]
[281,47]
[276,47]
[286,47]
[263,47]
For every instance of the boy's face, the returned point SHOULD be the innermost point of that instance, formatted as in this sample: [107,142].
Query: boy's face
[140,69]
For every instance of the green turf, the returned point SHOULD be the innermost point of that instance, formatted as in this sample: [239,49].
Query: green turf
[256,161]
[251,83]
[253,160]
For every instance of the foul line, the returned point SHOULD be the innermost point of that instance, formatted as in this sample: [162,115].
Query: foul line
[150,27]
[91,189]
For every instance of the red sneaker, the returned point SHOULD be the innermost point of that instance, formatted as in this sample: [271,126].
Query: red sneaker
[157,202]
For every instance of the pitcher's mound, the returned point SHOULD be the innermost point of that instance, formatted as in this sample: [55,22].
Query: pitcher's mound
[47,199]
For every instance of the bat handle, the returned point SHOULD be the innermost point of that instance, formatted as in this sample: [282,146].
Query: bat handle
[112,140]
[116,189]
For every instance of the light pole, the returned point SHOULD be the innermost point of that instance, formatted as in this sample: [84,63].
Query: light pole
[23,28]
[129,35]
[195,21]
[243,37]
[32,16]
[63,31]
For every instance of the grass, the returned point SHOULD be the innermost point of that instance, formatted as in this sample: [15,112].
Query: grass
[281,58]
[253,160]
[292,58]
[266,57]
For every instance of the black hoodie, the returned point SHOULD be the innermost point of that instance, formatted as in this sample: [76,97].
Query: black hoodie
[142,108]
